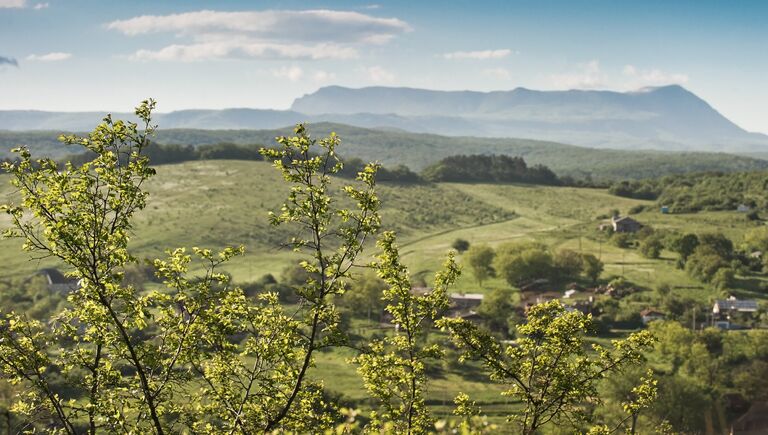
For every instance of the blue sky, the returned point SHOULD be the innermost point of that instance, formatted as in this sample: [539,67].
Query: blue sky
[94,55]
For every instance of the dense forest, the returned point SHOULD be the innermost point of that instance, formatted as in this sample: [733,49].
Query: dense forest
[489,168]
[701,191]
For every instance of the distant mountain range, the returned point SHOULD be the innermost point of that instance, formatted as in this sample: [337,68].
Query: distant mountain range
[665,118]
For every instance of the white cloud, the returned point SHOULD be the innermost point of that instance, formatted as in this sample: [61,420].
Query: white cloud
[588,76]
[245,49]
[292,73]
[49,57]
[378,74]
[310,34]
[323,76]
[13,3]
[20,4]
[499,73]
[591,76]
[651,77]
[478,55]
[372,6]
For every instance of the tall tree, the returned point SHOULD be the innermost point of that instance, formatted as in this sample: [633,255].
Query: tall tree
[480,260]
[548,369]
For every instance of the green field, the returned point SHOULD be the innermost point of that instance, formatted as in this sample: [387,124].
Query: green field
[219,203]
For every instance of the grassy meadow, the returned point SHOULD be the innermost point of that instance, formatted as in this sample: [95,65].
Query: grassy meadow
[218,203]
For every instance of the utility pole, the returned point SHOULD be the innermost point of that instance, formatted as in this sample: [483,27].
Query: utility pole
[622,262]
[694,318]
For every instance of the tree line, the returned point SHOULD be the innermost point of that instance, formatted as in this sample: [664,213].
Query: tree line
[475,168]
[701,191]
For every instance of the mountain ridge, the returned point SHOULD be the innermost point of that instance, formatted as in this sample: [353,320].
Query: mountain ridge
[662,118]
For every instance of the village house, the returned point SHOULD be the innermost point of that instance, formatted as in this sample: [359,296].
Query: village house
[57,282]
[724,308]
[743,208]
[753,422]
[649,315]
[466,301]
[464,305]
[625,224]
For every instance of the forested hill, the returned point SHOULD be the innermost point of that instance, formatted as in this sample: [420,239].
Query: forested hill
[417,151]
[703,191]
[485,169]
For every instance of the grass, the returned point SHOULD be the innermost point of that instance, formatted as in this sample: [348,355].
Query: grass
[219,203]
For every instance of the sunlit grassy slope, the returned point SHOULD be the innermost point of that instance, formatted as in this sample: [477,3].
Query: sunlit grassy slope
[220,203]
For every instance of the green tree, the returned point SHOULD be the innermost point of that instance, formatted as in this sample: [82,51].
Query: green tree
[165,361]
[622,240]
[568,263]
[480,260]
[684,245]
[591,266]
[548,369]
[82,216]
[651,247]
[518,263]
[723,279]
[497,307]
[704,263]
[717,243]
[460,245]
[393,368]
[364,296]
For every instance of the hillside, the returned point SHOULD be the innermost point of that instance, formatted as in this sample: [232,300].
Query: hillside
[418,151]
[215,203]
[705,191]
[226,202]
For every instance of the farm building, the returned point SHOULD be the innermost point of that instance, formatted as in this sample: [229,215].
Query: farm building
[725,306]
[625,224]
[57,282]
[754,422]
[466,301]
[649,315]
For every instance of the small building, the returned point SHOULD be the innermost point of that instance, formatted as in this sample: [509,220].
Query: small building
[464,306]
[465,301]
[57,282]
[753,422]
[649,315]
[726,306]
[743,208]
[625,224]
[665,209]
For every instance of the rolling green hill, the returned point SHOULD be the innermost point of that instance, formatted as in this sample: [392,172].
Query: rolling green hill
[420,150]
[222,202]
[219,203]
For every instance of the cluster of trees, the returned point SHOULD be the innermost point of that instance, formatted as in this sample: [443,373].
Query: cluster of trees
[199,354]
[520,263]
[700,191]
[709,257]
[161,154]
[702,368]
[478,168]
